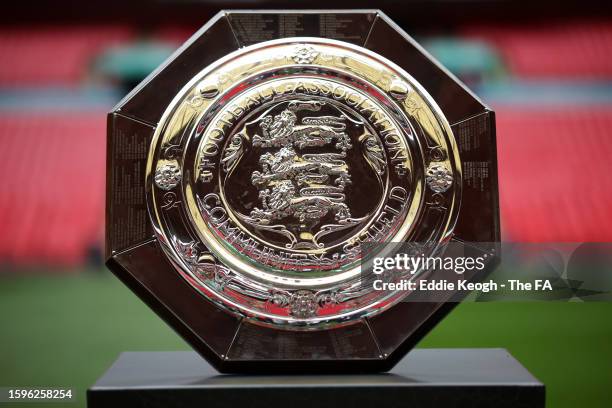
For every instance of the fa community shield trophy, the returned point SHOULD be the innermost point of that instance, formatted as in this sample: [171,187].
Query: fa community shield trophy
[249,176]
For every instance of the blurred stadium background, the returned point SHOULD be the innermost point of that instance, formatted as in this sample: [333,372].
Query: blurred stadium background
[545,67]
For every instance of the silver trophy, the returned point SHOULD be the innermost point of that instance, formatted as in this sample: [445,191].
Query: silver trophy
[250,180]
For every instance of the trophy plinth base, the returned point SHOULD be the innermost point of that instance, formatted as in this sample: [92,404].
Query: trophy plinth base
[424,378]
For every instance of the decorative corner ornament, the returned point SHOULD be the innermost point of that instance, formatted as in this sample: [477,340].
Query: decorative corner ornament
[167,176]
[260,184]
[439,178]
[304,54]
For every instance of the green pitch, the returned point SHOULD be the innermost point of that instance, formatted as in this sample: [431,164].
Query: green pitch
[65,331]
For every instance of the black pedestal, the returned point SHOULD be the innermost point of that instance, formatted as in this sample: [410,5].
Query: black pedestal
[424,378]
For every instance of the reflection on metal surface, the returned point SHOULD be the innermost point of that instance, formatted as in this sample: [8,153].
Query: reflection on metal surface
[272,168]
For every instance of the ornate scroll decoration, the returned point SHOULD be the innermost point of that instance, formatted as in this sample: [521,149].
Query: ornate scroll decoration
[233,152]
[299,303]
[373,153]
[204,264]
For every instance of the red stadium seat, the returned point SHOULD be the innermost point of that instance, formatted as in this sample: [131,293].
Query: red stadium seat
[53,55]
[554,169]
[566,50]
[52,201]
